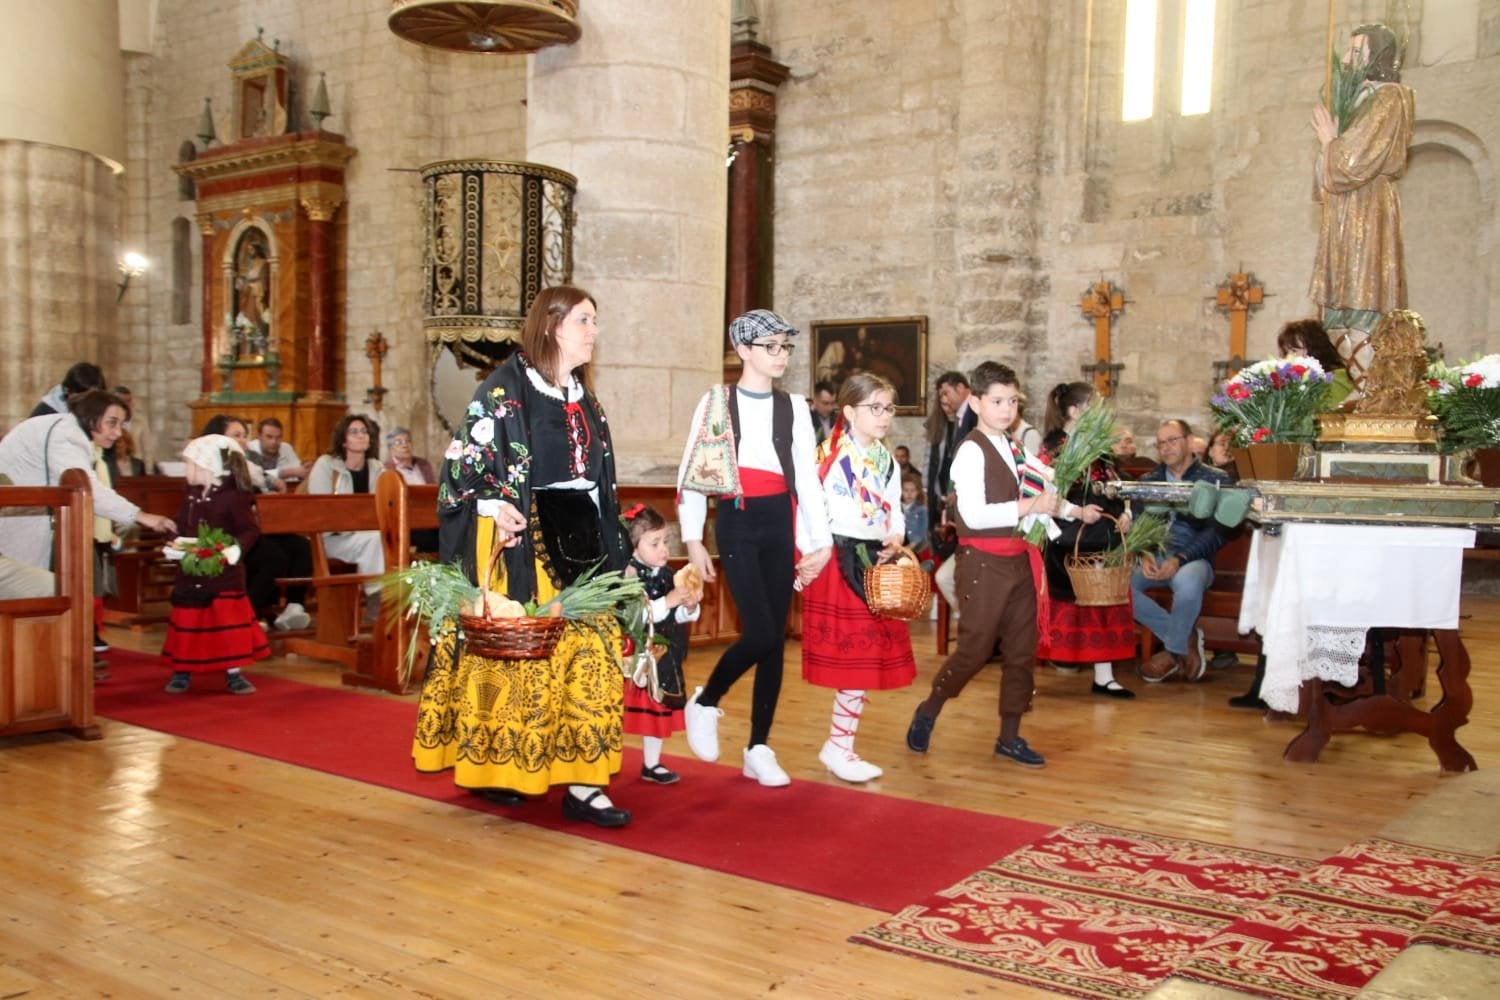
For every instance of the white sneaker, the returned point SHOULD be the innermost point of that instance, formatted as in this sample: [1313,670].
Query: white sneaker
[760,764]
[702,728]
[847,765]
[292,618]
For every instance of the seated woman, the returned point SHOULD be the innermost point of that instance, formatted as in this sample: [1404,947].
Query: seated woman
[1307,338]
[351,466]
[532,471]
[417,472]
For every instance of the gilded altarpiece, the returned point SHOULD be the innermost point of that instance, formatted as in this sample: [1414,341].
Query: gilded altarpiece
[273,250]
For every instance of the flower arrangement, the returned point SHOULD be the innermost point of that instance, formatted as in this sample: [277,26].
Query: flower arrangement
[1466,400]
[1272,401]
[209,553]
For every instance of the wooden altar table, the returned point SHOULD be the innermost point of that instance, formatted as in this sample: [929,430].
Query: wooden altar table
[1313,590]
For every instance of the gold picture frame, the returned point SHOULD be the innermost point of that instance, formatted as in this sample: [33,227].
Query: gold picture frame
[893,347]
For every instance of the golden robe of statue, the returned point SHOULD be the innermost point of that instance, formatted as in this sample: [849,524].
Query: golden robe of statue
[1359,263]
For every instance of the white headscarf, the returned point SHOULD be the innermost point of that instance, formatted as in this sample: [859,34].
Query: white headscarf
[207,452]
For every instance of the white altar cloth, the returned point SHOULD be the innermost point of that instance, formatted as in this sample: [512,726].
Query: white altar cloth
[1312,591]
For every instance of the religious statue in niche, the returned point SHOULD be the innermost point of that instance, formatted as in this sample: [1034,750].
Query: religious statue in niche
[250,332]
[1364,132]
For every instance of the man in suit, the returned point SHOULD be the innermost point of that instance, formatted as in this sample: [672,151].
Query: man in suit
[821,404]
[953,399]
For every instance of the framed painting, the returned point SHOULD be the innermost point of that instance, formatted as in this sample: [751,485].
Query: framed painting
[894,348]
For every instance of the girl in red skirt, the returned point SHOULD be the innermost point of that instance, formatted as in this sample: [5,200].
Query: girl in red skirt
[1078,636]
[672,606]
[846,646]
[212,626]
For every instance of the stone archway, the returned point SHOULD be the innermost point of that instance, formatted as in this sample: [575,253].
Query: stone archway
[1448,218]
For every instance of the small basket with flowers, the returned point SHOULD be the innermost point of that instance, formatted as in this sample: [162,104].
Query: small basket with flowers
[496,626]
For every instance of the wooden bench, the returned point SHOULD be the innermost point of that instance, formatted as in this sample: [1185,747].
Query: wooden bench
[143,576]
[338,633]
[46,643]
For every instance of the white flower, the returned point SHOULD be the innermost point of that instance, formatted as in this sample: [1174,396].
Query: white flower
[1487,368]
[455,449]
[483,431]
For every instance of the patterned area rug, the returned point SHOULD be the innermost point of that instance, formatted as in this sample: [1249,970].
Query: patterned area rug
[1327,934]
[1470,918]
[1089,910]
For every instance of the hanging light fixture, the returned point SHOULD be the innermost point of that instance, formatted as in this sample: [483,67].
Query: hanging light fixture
[504,26]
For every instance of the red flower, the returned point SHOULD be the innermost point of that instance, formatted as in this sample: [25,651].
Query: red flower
[1236,390]
[1299,370]
[1260,435]
[1276,380]
[204,552]
[627,645]
[1434,384]
[1473,381]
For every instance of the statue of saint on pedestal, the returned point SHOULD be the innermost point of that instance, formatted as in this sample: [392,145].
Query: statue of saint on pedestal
[252,297]
[1359,273]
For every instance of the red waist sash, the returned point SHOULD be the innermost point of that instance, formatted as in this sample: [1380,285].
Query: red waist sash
[761,483]
[1017,547]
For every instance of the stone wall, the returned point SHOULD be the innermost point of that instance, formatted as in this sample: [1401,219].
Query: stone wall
[958,159]
[903,189]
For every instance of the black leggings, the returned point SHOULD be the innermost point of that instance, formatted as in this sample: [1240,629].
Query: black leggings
[756,558]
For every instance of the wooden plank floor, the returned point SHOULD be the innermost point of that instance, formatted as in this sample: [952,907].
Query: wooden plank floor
[148,866]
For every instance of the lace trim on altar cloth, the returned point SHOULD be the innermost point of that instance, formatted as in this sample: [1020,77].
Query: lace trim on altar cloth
[1333,653]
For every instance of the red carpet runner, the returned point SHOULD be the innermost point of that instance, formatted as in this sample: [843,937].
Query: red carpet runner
[1326,935]
[854,845]
[1093,911]
[1088,910]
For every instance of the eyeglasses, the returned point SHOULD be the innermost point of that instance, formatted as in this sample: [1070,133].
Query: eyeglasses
[1163,442]
[878,409]
[358,429]
[773,348]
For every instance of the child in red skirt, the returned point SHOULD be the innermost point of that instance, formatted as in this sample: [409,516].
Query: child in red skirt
[845,646]
[672,607]
[212,626]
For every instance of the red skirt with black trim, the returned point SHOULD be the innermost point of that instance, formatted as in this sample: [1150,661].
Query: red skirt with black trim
[1077,634]
[645,717]
[845,646]
[223,635]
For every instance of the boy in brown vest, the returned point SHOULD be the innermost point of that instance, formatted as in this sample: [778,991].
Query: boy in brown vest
[999,575]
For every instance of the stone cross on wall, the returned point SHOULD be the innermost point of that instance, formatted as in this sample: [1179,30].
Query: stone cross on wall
[1239,295]
[1102,302]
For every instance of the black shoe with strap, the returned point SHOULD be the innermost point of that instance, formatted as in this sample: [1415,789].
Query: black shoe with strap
[575,808]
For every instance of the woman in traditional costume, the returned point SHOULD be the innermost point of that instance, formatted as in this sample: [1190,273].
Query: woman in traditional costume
[1075,635]
[531,472]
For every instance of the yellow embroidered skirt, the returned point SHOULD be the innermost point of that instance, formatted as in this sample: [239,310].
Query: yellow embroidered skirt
[525,724]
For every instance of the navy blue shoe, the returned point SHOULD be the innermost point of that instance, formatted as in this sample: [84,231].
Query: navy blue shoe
[919,733]
[1018,751]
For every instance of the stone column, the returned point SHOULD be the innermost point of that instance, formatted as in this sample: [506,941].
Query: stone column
[1001,288]
[61,140]
[636,111]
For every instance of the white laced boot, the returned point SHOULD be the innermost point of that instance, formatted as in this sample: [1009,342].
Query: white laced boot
[838,753]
